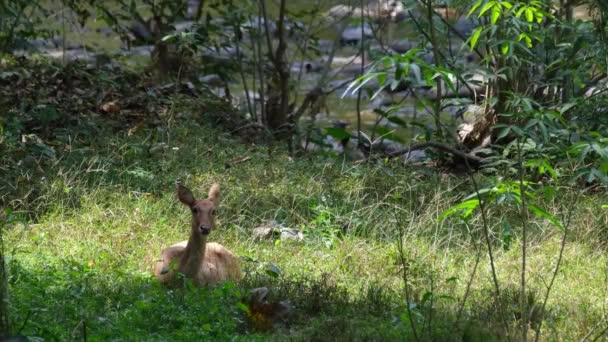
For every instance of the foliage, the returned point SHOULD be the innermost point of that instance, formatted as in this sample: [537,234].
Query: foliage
[20,20]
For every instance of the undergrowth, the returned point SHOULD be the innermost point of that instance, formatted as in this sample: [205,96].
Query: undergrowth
[89,203]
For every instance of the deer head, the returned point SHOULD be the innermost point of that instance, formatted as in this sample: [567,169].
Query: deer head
[203,211]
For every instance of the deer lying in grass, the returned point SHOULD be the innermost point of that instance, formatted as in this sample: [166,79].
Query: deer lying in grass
[205,263]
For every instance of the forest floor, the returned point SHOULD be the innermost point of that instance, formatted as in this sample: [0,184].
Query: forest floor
[89,162]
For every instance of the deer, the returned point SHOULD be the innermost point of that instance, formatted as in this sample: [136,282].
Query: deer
[205,263]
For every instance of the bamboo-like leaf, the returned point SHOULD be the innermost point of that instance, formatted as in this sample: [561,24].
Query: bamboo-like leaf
[487,7]
[475,7]
[466,207]
[475,37]
[529,14]
[541,213]
[495,14]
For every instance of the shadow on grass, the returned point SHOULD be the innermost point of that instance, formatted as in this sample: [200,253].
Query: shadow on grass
[74,301]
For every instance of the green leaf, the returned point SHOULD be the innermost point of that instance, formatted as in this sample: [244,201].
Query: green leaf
[507,235]
[475,37]
[506,4]
[503,132]
[272,270]
[485,8]
[475,7]
[504,49]
[529,14]
[466,207]
[361,81]
[381,79]
[539,212]
[495,14]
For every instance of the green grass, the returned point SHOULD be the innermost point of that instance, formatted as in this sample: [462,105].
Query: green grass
[88,221]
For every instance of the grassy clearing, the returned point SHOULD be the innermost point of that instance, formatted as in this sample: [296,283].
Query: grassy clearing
[90,219]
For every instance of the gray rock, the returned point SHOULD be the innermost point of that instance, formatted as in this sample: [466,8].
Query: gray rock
[192,8]
[353,34]
[262,233]
[265,231]
[291,234]
[212,80]
[465,26]
[142,50]
[325,46]
[306,67]
[254,23]
[106,31]
[183,26]
[402,46]
[141,32]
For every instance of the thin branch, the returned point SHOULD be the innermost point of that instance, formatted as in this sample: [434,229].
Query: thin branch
[566,225]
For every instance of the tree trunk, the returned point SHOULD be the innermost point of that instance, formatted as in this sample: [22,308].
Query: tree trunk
[278,103]
[4,322]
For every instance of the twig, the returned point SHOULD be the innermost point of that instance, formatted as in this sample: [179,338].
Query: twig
[362,53]
[236,161]
[405,282]
[486,234]
[469,283]
[524,244]
[566,225]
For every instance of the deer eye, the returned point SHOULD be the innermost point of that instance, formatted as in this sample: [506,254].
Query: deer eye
[194,210]
[213,212]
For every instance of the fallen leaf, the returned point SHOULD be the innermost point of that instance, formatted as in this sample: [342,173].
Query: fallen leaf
[110,107]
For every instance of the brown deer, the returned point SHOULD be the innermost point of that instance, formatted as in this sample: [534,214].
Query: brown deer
[205,263]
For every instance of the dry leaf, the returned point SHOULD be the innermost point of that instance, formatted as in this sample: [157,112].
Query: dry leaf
[110,107]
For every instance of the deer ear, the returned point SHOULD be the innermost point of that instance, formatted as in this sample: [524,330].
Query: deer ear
[185,195]
[214,193]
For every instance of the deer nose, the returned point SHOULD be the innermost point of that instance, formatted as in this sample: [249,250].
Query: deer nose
[204,229]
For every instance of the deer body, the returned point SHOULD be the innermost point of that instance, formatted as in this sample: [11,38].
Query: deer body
[205,263]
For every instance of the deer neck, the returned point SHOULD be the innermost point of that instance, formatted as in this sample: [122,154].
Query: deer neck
[194,254]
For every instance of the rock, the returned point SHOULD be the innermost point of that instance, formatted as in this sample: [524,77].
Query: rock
[402,46]
[291,234]
[212,80]
[183,26]
[471,58]
[306,66]
[381,10]
[465,26]
[393,9]
[325,46]
[429,58]
[270,228]
[265,231]
[414,156]
[193,6]
[71,55]
[340,11]
[140,32]
[142,50]
[352,35]
[106,31]
[261,233]
[44,44]
[254,23]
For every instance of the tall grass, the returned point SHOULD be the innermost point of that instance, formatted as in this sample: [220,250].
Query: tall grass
[87,222]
